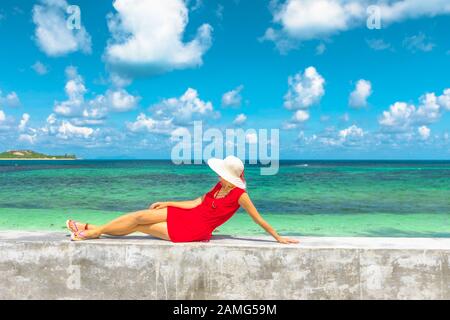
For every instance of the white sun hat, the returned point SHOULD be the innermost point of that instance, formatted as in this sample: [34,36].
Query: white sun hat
[231,169]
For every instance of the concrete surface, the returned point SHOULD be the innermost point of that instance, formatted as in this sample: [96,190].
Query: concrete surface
[36,265]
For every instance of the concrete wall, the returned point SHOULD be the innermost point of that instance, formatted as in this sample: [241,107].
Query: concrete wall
[49,266]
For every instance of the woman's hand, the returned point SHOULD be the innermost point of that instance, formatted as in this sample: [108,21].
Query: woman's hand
[287,240]
[159,205]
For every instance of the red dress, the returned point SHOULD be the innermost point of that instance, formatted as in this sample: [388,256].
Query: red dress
[197,224]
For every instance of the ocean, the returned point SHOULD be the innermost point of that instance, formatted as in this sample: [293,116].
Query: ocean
[307,198]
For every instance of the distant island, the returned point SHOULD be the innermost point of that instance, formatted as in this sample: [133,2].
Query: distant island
[32,155]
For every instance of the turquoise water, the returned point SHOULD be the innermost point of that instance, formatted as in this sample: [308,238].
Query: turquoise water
[326,198]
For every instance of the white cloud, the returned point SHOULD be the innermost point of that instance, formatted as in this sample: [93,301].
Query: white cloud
[424,132]
[24,121]
[121,100]
[310,19]
[10,100]
[184,109]
[57,130]
[289,125]
[399,10]
[233,98]
[300,116]
[399,116]
[147,124]
[352,136]
[358,98]
[317,19]
[429,109]
[305,89]
[6,124]
[283,43]
[219,11]
[197,4]
[418,43]
[27,138]
[75,90]
[170,116]
[320,49]
[40,68]
[94,110]
[345,117]
[119,81]
[52,34]
[402,116]
[351,132]
[147,37]
[444,99]
[378,44]
[116,100]
[67,131]
[240,119]
[51,119]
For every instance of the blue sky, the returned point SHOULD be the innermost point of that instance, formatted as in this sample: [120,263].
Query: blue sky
[139,71]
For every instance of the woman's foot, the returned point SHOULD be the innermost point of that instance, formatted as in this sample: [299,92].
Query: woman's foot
[84,235]
[75,226]
[78,236]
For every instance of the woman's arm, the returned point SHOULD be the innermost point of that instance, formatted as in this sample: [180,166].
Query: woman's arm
[178,204]
[247,204]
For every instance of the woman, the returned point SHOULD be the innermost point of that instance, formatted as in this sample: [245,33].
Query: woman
[186,221]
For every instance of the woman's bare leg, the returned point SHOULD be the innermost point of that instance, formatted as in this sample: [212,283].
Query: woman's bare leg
[158,230]
[128,223]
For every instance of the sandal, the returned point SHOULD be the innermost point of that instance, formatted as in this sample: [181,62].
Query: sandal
[78,236]
[72,226]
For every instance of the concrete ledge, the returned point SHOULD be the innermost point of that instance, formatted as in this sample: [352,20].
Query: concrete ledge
[48,266]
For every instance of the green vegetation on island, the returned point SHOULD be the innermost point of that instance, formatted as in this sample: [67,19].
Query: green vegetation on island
[31,155]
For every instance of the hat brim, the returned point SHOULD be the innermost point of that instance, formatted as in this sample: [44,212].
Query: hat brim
[218,166]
